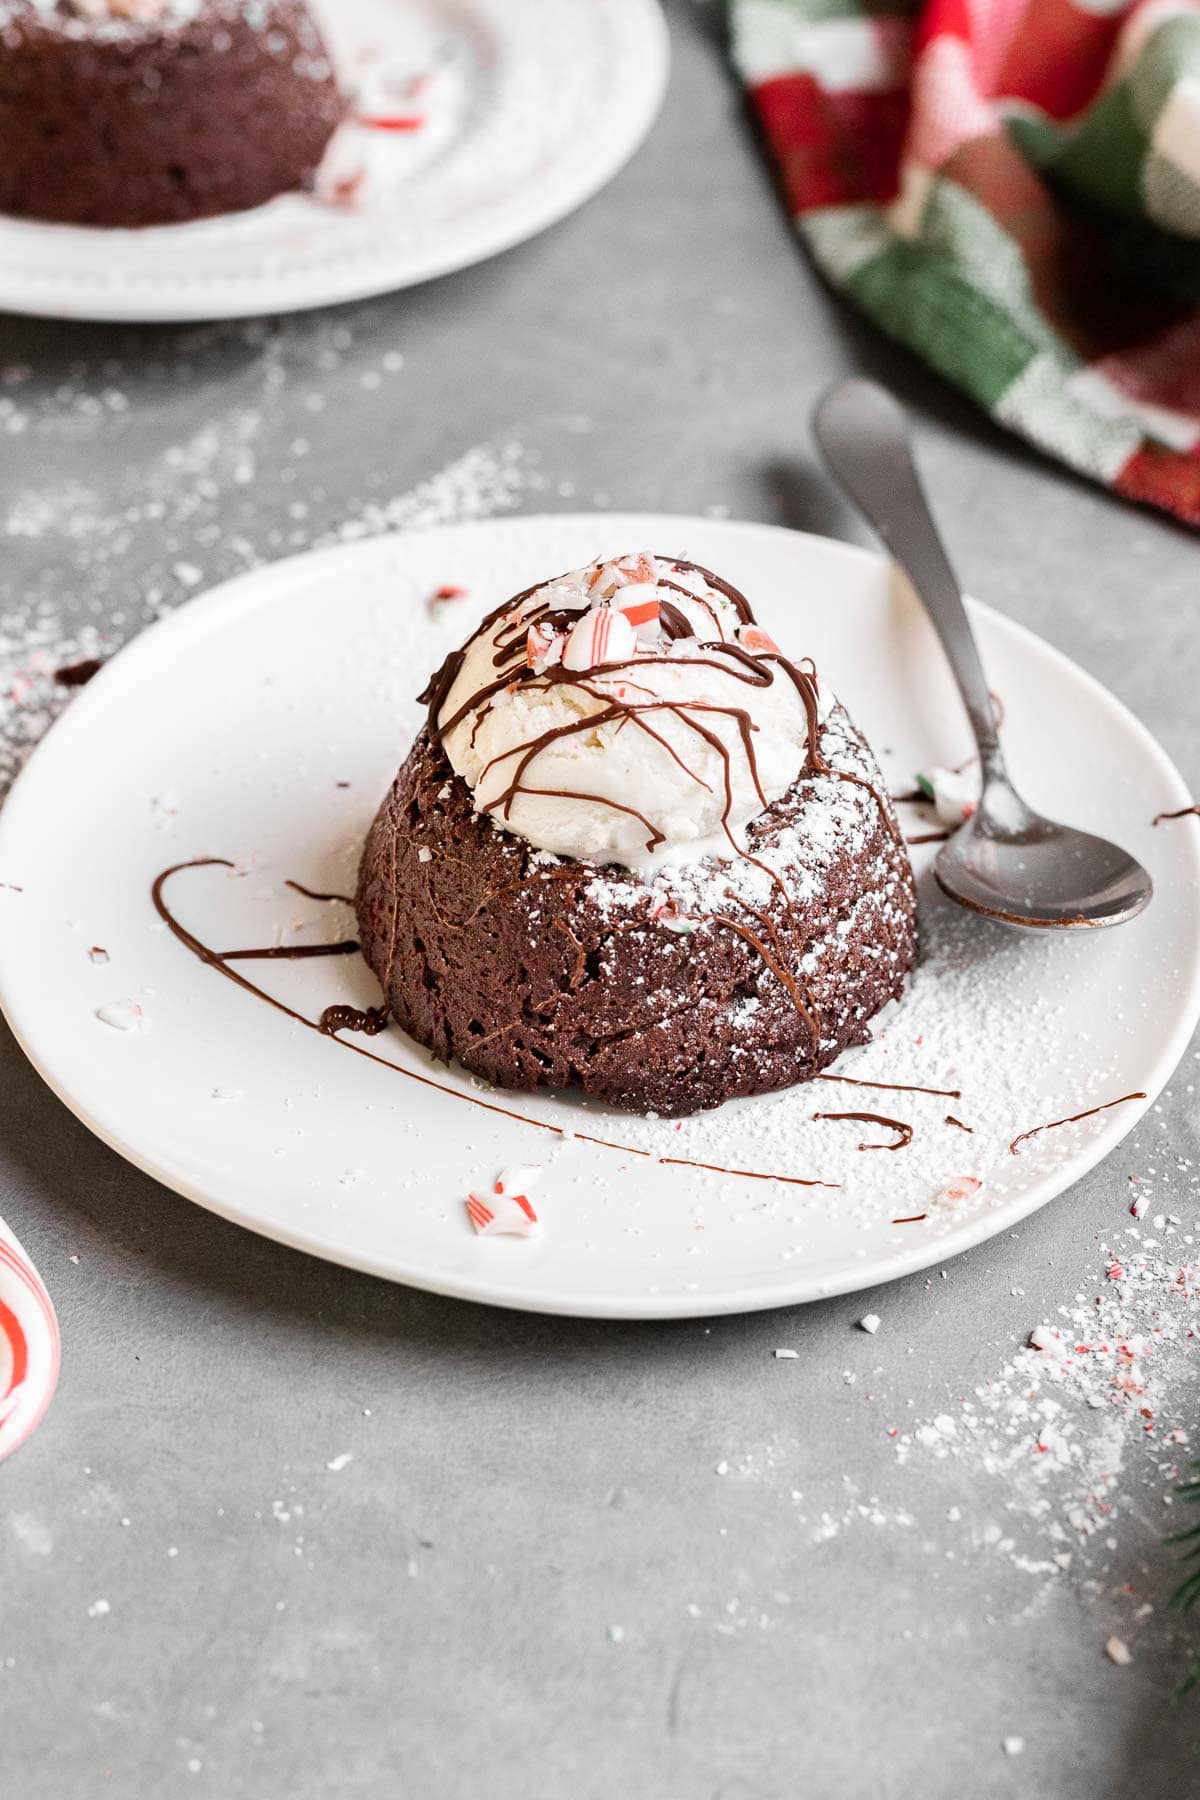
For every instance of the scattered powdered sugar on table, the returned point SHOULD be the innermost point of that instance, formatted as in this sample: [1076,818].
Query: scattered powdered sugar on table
[1047,1439]
[485,480]
[235,483]
[1059,1461]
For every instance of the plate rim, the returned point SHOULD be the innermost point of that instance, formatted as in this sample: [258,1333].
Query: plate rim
[151,300]
[208,610]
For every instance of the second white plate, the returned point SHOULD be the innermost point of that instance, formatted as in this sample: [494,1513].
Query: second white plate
[518,114]
[263,723]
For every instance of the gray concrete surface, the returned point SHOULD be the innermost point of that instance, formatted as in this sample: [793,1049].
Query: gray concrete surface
[532,1580]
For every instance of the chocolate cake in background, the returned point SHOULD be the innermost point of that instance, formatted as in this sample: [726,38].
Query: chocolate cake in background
[636,851]
[147,112]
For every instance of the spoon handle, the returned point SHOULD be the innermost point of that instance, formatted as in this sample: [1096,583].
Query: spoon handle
[863,435]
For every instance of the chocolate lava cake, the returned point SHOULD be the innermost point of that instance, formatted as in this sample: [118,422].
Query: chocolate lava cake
[151,112]
[636,850]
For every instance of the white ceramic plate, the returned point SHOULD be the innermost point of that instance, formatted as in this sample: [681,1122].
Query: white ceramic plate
[229,731]
[525,109]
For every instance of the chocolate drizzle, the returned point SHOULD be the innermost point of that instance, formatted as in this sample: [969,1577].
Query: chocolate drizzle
[675,624]
[735,597]
[78,674]
[291,952]
[1073,1120]
[513,669]
[885,813]
[1183,813]
[219,962]
[214,960]
[298,887]
[685,1162]
[904,1132]
[777,968]
[899,1087]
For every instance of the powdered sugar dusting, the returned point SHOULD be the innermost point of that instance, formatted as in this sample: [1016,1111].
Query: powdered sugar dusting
[1003,1069]
[1059,1460]
[1060,1445]
[1051,1431]
[485,480]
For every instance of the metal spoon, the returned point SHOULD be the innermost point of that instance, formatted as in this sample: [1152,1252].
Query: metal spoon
[1006,861]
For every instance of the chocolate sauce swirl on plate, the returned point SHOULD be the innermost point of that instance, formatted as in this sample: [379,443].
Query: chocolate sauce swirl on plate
[1074,1119]
[329,1027]
[904,1132]
[899,1087]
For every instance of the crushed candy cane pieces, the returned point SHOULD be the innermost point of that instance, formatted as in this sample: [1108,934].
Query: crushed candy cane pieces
[870,1322]
[543,648]
[963,1187]
[506,1211]
[639,603]
[671,918]
[954,793]
[601,636]
[390,121]
[607,579]
[1118,1651]
[344,190]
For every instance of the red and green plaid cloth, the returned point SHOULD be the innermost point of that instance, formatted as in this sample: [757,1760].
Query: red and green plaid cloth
[1012,189]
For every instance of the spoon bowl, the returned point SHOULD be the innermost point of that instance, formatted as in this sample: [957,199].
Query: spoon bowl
[1032,873]
[1007,861]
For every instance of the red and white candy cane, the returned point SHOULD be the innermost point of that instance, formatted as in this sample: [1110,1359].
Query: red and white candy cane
[639,604]
[506,1211]
[30,1346]
[601,636]
[390,121]
[543,647]
[637,568]
[606,578]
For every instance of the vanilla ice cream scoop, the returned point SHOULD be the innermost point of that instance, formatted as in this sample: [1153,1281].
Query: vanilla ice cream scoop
[629,712]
